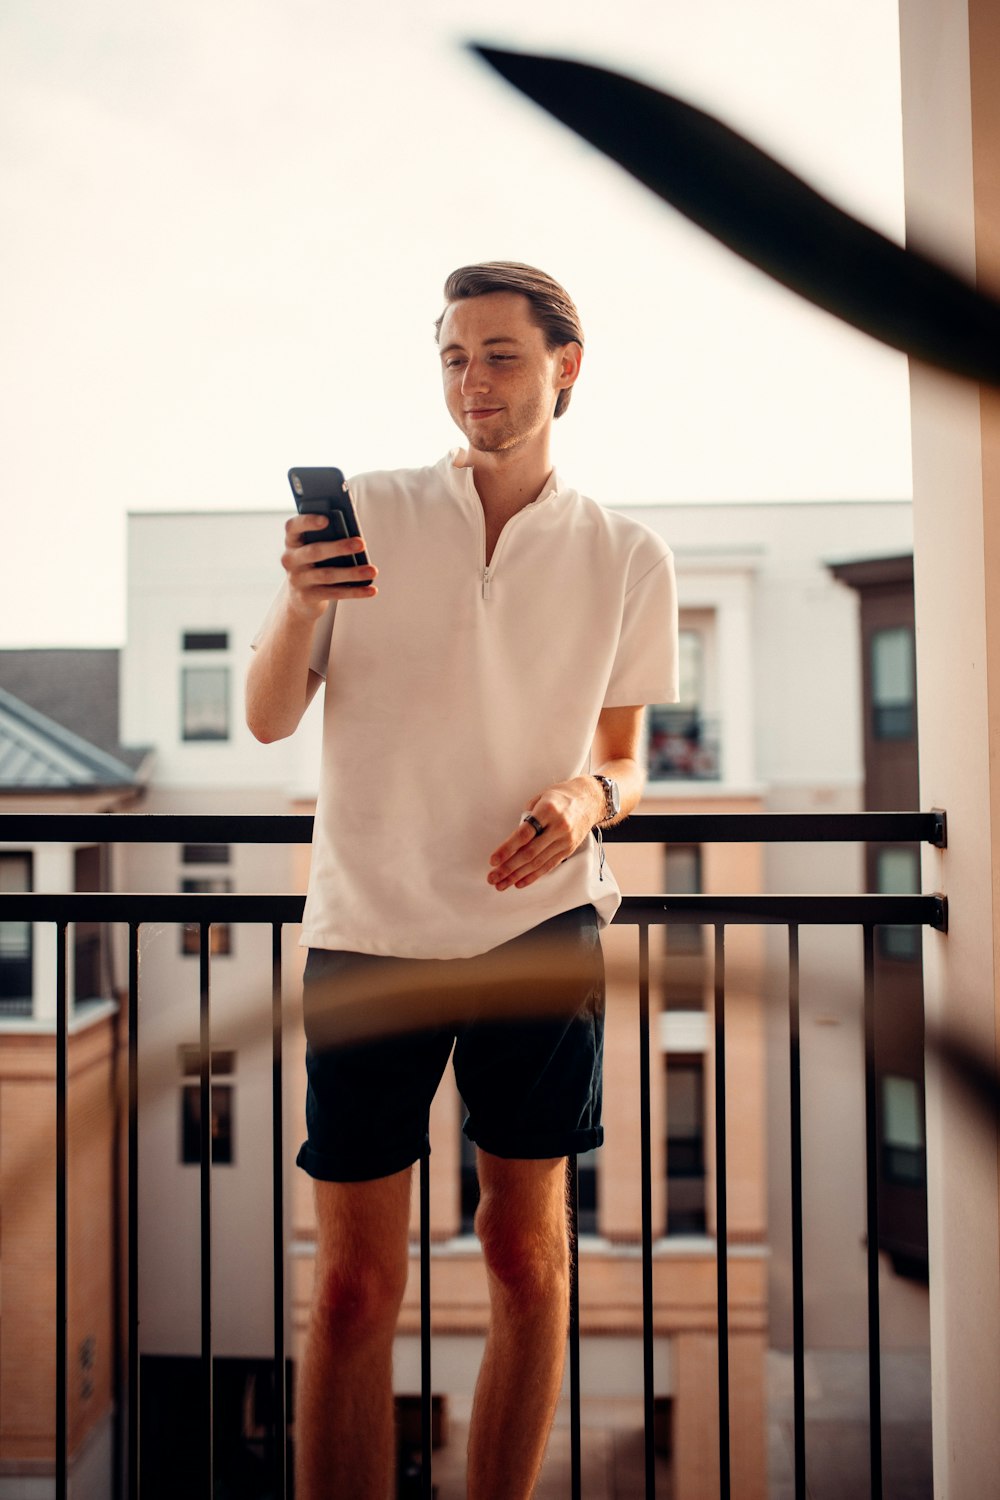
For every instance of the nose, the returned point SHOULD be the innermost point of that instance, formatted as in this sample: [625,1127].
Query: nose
[474,376]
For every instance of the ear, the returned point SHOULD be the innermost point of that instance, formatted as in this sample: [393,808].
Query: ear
[568,368]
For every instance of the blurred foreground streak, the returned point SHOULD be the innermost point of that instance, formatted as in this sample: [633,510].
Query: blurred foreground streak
[766,214]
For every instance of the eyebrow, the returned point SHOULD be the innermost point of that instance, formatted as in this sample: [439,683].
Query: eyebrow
[499,338]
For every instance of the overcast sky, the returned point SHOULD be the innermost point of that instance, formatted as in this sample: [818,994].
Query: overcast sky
[226,227]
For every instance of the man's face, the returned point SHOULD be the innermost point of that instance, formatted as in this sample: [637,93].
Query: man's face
[500,381]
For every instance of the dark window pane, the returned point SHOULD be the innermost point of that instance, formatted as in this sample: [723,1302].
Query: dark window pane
[907,1168]
[685,1078]
[223,1061]
[586,1180]
[205,703]
[206,640]
[682,877]
[899,941]
[16,976]
[898,874]
[222,1124]
[220,939]
[205,854]
[893,684]
[468,1184]
[902,1121]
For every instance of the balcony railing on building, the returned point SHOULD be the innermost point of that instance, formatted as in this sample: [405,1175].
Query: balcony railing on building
[684,745]
[271,1421]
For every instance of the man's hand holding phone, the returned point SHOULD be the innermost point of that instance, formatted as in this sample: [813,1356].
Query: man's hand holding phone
[324,554]
[313,587]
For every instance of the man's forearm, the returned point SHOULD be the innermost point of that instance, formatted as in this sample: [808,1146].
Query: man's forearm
[278,685]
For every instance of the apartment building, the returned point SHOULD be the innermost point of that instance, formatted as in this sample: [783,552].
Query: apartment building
[59,753]
[770,717]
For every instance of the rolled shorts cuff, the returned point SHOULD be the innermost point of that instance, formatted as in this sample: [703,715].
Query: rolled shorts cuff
[537,1147]
[329,1167]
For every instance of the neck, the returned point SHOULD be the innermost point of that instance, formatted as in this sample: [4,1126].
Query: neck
[507,482]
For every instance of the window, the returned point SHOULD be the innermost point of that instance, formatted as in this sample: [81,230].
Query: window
[220,937]
[469,1183]
[683,743]
[903,1159]
[223,1069]
[16,982]
[205,703]
[685,1079]
[898,873]
[88,943]
[205,640]
[205,688]
[205,854]
[893,684]
[586,1194]
[682,877]
[685,971]
[586,1168]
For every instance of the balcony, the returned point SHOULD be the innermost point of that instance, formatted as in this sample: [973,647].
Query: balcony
[726,1270]
[684,745]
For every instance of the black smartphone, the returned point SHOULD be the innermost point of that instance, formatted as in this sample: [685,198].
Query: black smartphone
[324,492]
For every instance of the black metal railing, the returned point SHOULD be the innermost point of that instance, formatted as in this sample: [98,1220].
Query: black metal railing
[276,911]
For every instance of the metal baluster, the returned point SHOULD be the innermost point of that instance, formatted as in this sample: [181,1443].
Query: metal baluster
[871,1171]
[278,1220]
[133,1212]
[62,1219]
[574,1327]
[205,1064]
[646,1174]
[426,1389]
[721,1221]
[798,1307]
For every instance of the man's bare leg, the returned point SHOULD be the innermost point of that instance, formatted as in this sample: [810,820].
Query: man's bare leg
[344,1419]
[521,1222]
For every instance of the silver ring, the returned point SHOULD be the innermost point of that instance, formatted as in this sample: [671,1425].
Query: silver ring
[538,827]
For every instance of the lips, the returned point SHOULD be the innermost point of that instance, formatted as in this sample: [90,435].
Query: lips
[483,411]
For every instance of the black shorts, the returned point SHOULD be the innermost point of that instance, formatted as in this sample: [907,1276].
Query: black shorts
[527,1024]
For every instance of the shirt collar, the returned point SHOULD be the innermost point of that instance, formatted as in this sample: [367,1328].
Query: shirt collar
[460,479]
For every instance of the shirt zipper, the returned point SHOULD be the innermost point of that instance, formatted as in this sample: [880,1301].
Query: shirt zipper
[489,569]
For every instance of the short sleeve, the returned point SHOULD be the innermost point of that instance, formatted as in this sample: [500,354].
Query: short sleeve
[319,656]
[645,668]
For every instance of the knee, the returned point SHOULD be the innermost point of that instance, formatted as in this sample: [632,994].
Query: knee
[357,1303]
[528,1260]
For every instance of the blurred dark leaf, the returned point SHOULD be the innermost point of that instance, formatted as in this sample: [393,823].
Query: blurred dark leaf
[755,206]
[976,1073]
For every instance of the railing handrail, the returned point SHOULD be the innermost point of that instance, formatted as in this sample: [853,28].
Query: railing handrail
[642,828]
[139,907]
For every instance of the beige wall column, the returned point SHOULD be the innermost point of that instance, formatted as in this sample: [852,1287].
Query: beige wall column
[951,120]
[696,1416]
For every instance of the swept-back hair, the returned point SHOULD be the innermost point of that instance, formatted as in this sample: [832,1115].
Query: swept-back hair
[552,308]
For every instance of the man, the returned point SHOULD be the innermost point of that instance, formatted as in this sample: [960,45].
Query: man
[483,713]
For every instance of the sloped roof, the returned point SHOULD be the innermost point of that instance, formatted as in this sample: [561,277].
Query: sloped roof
[76,688]
[37,752]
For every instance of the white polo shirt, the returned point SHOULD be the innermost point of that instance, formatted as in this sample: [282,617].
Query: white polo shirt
[459,693]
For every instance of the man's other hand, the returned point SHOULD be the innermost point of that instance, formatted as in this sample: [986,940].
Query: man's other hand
[567,812]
